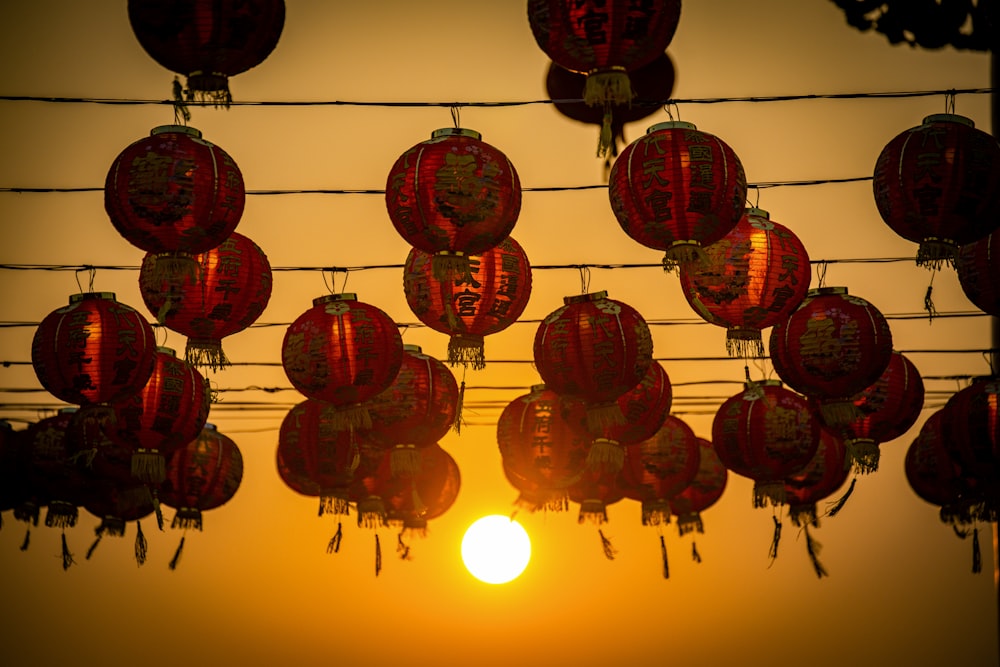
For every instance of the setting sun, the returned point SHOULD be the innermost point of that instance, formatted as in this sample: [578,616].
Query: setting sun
[496,549]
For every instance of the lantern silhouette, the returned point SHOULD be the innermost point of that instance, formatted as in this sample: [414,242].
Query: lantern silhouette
[751,279]
[416,410]
[831,347]
[485,300]
[117,505]
[543,447]
[766,433]
[344,352]
[425,493]
[979,273]
[227,294]
[595,349]
[677,189]
[819,479]
[660,467]
[594,491]
[93,351]
[938,184]
[207,41]
[970,426]
[886,410]
[702,492]
[606,41]
[453,196]
[175,195]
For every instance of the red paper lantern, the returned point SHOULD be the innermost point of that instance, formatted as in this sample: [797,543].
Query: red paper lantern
[202,475]
[207,41]
[886,410]
[595,349]
[116,505]
[766,433]
[93,351]
[751,279]
[424,494]
[970,425]
[344,352]
[543,446]
[938,184]
[660,467]
[453,196]
[485,300]
[175,195]
[833,346]
[705,489]
[229,292]
[819,479]
[593,492]
[55,480]
[979,273]
[677,189]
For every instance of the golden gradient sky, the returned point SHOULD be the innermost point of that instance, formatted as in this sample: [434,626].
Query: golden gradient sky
[256,587]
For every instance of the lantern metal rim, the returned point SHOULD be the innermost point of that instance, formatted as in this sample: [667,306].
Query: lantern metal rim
[823,291]
[456,132]
[619,69]
[166,350]
[757,212]
[582,298]
[86,296]
[176,129]
[410,347]
[329,298]
[769,382]
[537,387]
[671,125]
[948,118]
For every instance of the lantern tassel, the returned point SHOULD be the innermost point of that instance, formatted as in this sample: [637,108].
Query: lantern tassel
[354,416]
[935,253]
[61,514]
[27,539]
[371,512]
[606,139]
[607,87]
[149,466]
[839,413]
[378,555]
[609,550]
[605,454]
[93,547]
[929,304]
[690,522]
[177,554]
[663,555]
[457,426]
[839,505]
[140,545]
[775,540]
[206,353]
[67,555]
[467,350]
[695,556]
[863,455]
[181,112]
[683,254]
[655,513]
[769,493]
[187,517]
[402,548]
[404,461]
[813,547]
[334,544]
[601,417]
[977,554]
[331,504]
[744,343]
[210,87]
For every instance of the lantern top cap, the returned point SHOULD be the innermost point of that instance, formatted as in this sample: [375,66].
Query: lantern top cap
[407,347]
[210,427]
[581,298]
[763,383]
[329,298]
[176,129]
[821,291]
[948,118]
[671,125]
[85,296]
[166,350]
[757,212]
[455,132]
[537,387]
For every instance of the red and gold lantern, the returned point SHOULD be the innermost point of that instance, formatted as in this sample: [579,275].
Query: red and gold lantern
[595,349]
[979,273]
[229,291]
[970,425]
[344,352]
[453,196]
[660,467]
[207,41]
[705,489]
[938,184]
[485,300]
[830,348]
[751,279]
[819,479]
[202,475]
[175,195]
[426,493]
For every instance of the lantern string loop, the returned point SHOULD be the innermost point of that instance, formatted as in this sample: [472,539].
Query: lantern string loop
[584,278]
[91,275]
[821,268]
[455,111]
[949,101]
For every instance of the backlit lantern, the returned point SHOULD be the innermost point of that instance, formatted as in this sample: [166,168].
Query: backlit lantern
[886,410]
[453,196]
[485,300]
[543,447]
[751,279]
[55,479]
[702,492]
[677,189]
[116,505]
[831,347]
[594,491]
[93,351]
[426,493]
[660,467]
[344,352]
[970,425]
[207,41]
[979,273]
[595,349]
[229,291]
[819,479]
[938,184]
[766,433]
[175,195]
[417,409]
[606,40]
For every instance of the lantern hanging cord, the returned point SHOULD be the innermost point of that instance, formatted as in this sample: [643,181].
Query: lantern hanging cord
[91,275]
[584,278]
[455,115]
[821,267]
[949,102]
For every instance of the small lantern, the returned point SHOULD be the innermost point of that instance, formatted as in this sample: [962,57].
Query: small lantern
[702,492]
[660,467]
[819,479]
[970,425]
[979,273]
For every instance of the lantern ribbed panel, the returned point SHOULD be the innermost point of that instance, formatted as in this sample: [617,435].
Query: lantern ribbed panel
[751,279]
[978,268]
[702,492]
[677,189]
[231,290]
[207,40]
[819,479]
[453,192]
[202,475]
[970,424]
[174,192]
[660,467]
[938,184]
[766,433]
[486,300]
[342,351]
[93,351]
[595,349]
[831,348]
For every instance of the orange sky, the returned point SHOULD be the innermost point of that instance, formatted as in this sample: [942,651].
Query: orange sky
[256,586]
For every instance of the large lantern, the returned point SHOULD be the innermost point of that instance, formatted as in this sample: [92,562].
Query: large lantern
[819,479]
[660,467]
[702,492]
[938,184]
[175,195]
[833,346]
[606,40]
[595,349]
[677,189]
[207,41]
[93,351]
[979,273]
[970,425]
[344,352]
[453,196]
[229,291]
[766,433]
[483,301]
[424,494]
[751,279]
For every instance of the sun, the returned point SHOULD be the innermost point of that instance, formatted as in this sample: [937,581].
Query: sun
[496,549]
